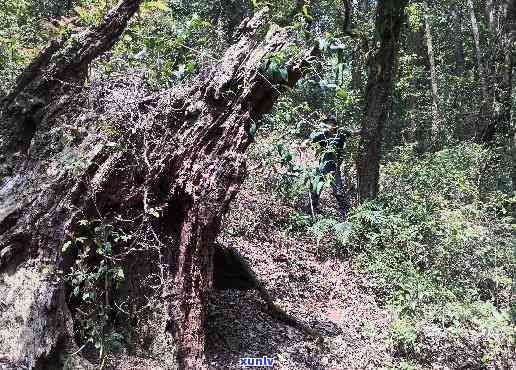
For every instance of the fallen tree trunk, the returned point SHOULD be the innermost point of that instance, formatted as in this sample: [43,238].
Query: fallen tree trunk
[112,177]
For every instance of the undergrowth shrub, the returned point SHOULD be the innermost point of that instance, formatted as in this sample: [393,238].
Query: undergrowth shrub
[438,242]
[95,281]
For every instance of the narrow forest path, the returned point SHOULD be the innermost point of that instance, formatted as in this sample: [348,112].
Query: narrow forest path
[324,292]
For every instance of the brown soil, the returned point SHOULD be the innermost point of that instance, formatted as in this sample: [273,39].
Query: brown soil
[314,286]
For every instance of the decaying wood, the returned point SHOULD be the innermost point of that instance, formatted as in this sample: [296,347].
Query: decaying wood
[181,152]
[60,67]
[33,211]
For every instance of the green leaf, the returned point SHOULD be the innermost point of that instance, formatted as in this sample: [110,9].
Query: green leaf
[119,274]
[66,245]
[342,93]
[158,5]
[284,73]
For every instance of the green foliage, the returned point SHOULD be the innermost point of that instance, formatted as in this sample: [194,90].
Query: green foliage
[94,281]
[290,177]
[283,11]
[17,38]
[167,46]
[91,12]
[437,236]
[297,222]
[403,336]
[415,13]
[274,64]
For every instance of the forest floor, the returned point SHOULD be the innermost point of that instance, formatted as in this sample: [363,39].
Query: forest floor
[311,283]
[314,282]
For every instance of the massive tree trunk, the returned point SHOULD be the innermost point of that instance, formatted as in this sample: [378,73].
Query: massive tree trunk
[36,209]
[389,21]
[162,168]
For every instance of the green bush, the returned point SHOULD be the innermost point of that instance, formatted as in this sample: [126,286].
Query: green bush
[438,241]
[403,336]
[17,27]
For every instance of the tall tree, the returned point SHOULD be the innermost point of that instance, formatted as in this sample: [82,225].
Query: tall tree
[478,51]
[389,22]
[458,39]
[509,12]
[433,82]
[495,65]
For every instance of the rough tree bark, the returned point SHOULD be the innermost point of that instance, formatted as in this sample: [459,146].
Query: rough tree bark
[181,151]
[33,219]
[389,21]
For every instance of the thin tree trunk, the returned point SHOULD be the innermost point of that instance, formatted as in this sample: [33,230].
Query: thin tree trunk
[510,27]
[389,21]
[433,82]
[492,7]
[419,124]
[356,70]
[182,151]
[484,115]
[357,63]
[500,70]
[510,56]
[458,40]
[478,51]
[512,151]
